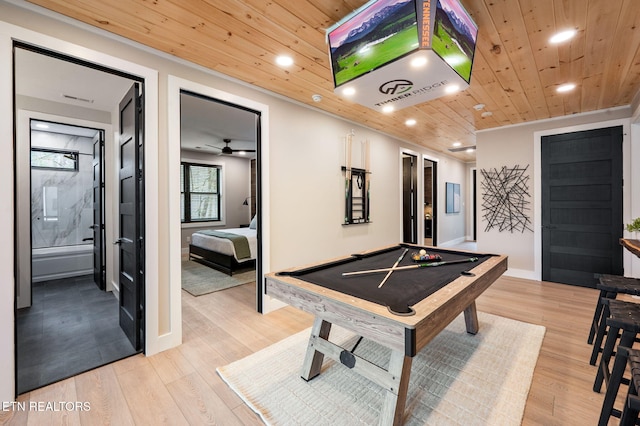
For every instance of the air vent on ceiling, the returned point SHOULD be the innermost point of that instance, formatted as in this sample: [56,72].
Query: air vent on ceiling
[75,98]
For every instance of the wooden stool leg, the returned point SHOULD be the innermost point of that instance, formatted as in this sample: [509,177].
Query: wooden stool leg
[615,378]
[395,400]
[602,327]
[612,337]
[596,318]
[313,358]
[613,386]
[631,408]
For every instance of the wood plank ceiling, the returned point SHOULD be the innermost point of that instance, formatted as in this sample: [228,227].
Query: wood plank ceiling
[515,74]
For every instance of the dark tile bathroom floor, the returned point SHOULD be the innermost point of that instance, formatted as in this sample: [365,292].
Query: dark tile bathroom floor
[71,327]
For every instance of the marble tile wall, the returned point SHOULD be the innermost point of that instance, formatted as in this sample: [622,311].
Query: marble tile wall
[69,193]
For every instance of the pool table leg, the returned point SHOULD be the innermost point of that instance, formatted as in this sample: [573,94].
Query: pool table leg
[395,400]
[313,359]
[471,318]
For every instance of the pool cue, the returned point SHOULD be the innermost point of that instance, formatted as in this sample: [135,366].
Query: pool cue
[393,268]
[416,266]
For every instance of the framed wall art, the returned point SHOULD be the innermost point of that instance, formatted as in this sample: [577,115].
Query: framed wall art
[452,198]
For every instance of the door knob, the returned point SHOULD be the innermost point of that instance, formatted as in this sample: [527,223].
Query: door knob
[118,241]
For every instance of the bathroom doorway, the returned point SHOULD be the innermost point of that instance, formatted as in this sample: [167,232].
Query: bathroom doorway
[69,202]
[70,324]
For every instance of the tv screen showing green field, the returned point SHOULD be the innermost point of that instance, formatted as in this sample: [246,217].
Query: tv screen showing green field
[454,37]
[381,33]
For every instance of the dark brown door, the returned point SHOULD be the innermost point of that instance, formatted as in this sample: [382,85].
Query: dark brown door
[130,214]
[581,206]
[98,211]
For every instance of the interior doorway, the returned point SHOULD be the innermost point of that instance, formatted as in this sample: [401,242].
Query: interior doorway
[220,140]
[474,203]
[582,203]
[409,198]
[68,316]
[430,202]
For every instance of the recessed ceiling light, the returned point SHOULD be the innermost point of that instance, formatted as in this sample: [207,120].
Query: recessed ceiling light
[387,109]
[419,61]
[284,61]
[478,107]
[470,150]
[452,88]
[349,91]
[566,87]
[410,122]
[316,97]
[562,36]
[42,126]
[457,143]
[486,114]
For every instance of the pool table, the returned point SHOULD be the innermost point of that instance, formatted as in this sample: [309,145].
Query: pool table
[405,314]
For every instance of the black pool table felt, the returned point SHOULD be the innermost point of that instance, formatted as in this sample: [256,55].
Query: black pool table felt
[403,289]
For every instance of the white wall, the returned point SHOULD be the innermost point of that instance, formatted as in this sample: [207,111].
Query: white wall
[452,227]
[519,145]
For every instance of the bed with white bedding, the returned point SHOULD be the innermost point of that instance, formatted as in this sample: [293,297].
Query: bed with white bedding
[223,253]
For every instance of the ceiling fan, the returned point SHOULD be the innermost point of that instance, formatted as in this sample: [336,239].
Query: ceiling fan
[228,150]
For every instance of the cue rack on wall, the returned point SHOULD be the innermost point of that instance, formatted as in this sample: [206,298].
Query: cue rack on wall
[357,186]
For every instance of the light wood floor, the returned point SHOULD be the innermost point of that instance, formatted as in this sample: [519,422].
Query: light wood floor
[180,386]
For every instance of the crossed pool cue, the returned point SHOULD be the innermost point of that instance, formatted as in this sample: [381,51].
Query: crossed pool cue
[404,268]
[393,268]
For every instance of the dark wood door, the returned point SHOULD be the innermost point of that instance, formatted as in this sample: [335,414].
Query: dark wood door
[475,205]
[581,206]
[434,210]
[130,223]
[98,211]
[409,197]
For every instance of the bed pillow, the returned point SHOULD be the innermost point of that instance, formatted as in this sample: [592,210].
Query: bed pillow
[254,223]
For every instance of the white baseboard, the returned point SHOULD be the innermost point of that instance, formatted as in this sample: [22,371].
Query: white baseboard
[521,273]
[453,242]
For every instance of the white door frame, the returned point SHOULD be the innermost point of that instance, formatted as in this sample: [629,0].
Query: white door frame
[175,85]
[156,339]
[23,198]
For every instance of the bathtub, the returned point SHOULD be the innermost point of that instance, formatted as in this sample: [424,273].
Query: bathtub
[52,263]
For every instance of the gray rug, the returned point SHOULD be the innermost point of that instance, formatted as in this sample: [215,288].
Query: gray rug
[199,279]
[458,379]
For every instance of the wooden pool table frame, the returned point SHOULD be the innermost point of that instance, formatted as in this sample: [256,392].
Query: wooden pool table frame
[404,335]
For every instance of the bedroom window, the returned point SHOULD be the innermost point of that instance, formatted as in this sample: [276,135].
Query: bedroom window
[199,193]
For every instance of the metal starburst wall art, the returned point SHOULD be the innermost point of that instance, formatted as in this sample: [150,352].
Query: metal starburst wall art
[505,199]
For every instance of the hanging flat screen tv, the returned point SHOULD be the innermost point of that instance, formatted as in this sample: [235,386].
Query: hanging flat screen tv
[454,37]
[382,32]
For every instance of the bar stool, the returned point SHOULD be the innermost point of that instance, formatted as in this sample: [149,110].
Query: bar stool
[610,286]
[629,413]
[623,322]
[632,403]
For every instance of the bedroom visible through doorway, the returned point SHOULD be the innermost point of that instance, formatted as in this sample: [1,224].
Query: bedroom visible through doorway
[219,196]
